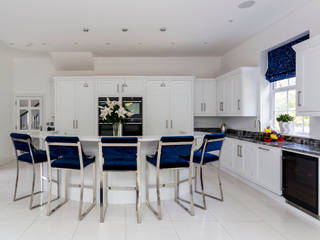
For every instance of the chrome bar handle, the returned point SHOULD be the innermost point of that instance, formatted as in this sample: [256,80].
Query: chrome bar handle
[73,125]
[118,88]
[264,149]
[167,124]
[238,104]
[77,124]
[222,105]
[205,107]
[201,107]
[171,124]
[299,103]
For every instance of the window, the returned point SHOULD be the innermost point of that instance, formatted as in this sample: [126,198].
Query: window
[28,113]
[284,101]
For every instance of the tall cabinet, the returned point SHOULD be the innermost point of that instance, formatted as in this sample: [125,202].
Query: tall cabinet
[168,102]
[75,111]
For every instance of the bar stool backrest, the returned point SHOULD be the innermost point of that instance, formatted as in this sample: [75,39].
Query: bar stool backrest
[171,147]
[212,142]
[22,143]
[120,149]
[64,147]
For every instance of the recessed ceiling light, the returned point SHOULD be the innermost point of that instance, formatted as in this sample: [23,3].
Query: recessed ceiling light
[205,43]
[11,44]
[28,44]
[85,30]
[107,43]
[139,43]
[75,43]
[173,43]
[124,29]
[163,29]
[246,4]
[230,20]
[43,44]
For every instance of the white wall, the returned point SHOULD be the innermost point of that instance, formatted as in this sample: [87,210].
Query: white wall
[249,52]
[6,105]
[33,72]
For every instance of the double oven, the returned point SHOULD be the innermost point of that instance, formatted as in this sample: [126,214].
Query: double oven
[134,125]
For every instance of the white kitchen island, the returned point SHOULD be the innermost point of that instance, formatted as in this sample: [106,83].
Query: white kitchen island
[148,146]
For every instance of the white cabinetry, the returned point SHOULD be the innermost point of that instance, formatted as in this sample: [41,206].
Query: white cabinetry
[256,163]
[270,168]
[237,92]
[75,112]
[205,97]
[168,103]
[307,72]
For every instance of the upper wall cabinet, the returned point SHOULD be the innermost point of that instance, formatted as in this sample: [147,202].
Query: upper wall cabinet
[120,86]
[205,97]
[307,73]
[237,93]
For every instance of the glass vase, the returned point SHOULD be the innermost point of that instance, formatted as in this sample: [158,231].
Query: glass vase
[116,129]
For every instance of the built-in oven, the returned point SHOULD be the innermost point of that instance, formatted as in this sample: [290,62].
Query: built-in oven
[134,125]
[300,181]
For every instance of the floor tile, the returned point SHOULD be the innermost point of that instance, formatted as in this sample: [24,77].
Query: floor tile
[13,229]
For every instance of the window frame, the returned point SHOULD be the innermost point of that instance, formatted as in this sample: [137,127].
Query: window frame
[274,90]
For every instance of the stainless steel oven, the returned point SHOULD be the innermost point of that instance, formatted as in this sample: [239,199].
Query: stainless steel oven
[104,128]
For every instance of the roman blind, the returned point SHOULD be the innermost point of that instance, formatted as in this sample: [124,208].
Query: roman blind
[282,61]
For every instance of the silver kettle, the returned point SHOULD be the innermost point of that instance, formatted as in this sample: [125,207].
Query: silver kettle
[223,128]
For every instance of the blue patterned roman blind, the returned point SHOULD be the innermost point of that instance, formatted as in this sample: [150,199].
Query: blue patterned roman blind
[282,61]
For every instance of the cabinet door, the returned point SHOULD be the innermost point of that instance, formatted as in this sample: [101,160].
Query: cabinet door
[269,161]
[250,164]
[65,107]
[198,97]
[220,96]
[237,160]
[227,155]
[132,87]
[236,95]
[209,95]
[181,120]
[109,87]
[86,108]
[308,84]
[158,108]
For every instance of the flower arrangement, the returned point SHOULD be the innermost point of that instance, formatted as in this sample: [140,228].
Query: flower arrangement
[115,114]
[271,136]
[285,118]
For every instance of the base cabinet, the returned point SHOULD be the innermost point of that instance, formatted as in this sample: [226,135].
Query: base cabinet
[256,163]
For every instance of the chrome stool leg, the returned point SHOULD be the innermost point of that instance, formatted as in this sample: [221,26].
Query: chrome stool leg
[33,183]
[138,197]
[202,189]
[16,184]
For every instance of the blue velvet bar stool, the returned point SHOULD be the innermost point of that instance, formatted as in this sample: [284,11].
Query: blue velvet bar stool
[119,154]
[27,153]
[66,153]
[208,152]
[168,157]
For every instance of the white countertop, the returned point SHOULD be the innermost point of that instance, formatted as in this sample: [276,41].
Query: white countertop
[146,138]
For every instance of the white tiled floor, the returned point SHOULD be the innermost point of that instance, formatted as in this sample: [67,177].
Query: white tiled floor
[245,214]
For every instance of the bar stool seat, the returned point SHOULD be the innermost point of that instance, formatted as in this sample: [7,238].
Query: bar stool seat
[207,158]
[38,155]
[172,161]
[71,163]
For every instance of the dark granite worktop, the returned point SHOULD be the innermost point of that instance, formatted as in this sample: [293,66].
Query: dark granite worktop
[298,144]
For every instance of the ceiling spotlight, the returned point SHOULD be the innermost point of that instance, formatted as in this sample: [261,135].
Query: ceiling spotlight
[173,43]
[28,44]
[43,44]
[139,43]
[85,30]
[11,44]
[75,43]
[163,29]
[230,20]
[107,43]
[124,29]
[205,43]
[246,4]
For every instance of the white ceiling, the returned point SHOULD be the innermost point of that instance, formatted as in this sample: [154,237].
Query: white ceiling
[194,27]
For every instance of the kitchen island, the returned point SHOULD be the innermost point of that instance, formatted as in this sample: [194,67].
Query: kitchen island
[149,145]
